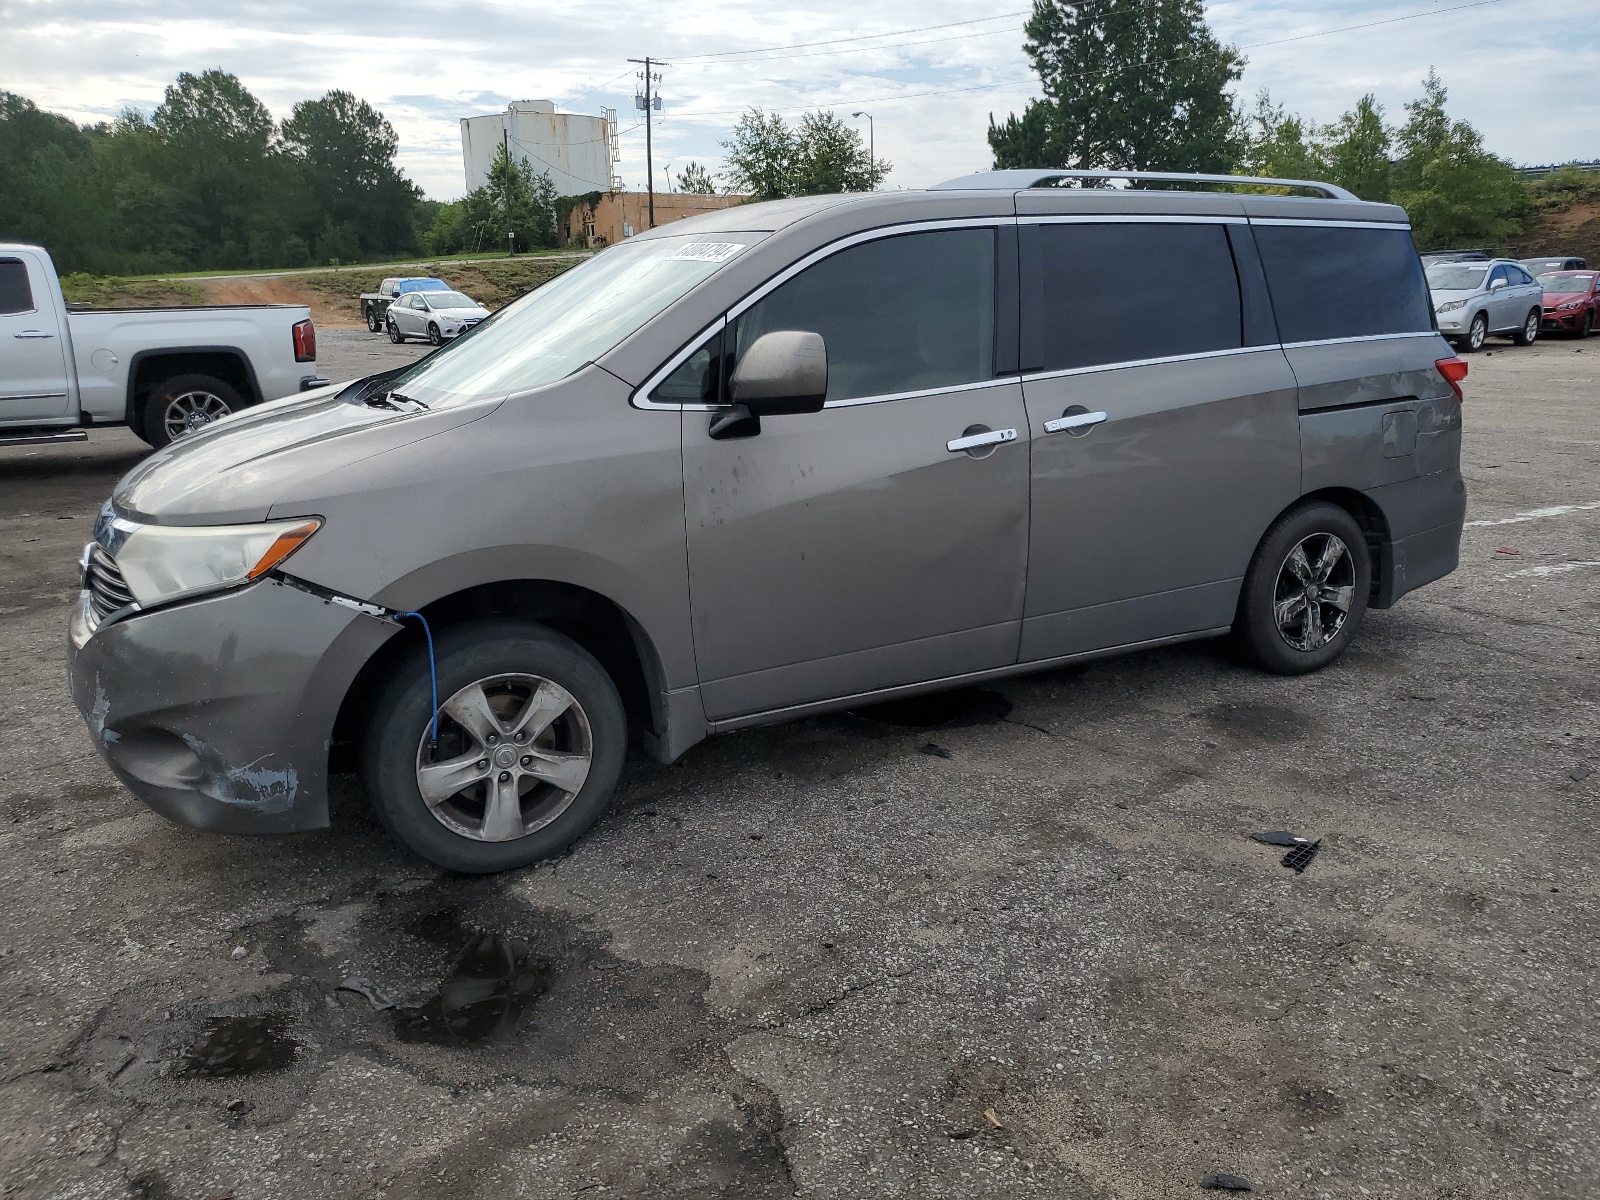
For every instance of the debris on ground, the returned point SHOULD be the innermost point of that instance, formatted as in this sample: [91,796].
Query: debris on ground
[935,750]
[1226,1183]
[1301,850]
[239,952]
[1580,772]
[1279,837]
[362,988]
[993,1118]
[1507,551]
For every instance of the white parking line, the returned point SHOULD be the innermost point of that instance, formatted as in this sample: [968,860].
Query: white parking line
[1551,569]
[1535,514]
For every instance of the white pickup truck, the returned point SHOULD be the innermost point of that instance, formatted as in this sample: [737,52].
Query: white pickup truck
[163,372]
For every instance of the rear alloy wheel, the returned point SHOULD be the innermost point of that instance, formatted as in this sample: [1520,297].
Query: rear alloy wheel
[1477,334]
[531,739]
[186,403]
[1529,332]
[1306,590]
[434,335]
[395,335]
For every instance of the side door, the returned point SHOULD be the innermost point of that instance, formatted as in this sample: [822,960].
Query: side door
[33,360]
[1530,296]
[407,314]
[1164,423]
[867,545]
[1502,300]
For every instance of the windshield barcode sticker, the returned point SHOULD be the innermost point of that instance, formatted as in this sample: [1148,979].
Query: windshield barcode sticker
[716,252]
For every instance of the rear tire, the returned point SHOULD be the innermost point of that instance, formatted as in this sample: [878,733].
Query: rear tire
[509,813]
[374,324]
[395,335]
[1529,333]
[1305,592]
[183,404]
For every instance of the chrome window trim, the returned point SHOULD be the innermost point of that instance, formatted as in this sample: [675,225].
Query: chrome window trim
[1329,224]
[1128,219]
[1031,376]
[976,385]
[1364,337]
[641,395]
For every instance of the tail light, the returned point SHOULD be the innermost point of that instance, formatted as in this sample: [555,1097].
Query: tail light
[305,341]
[1453,369]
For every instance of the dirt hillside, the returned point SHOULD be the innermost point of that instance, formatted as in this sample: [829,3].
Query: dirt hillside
[1574,230]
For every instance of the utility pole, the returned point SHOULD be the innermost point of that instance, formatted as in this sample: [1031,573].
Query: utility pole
[649,149]
[505,146]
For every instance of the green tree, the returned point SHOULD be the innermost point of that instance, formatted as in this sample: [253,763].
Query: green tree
[1129,85]
[696,180]
[345,150]
[1356,150]
[770,159]
[1278,144]
[522,200]
[1455,191]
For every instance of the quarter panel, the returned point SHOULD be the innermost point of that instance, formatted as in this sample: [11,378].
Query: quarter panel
[1369,370]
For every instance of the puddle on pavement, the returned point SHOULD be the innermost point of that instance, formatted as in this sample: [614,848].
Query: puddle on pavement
[241,1046]
[964,706]
[490,987]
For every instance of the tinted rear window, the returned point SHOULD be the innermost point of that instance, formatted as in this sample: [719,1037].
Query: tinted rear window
[1329,282]
[15,294]
[1132,291]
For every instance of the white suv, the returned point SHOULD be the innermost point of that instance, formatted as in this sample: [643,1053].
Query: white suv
[1475,299]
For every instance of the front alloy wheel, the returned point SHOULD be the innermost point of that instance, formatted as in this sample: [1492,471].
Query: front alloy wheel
[1477,333]
[512,755]
[1315,587]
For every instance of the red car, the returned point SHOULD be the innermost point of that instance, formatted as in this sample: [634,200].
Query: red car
[1571,301]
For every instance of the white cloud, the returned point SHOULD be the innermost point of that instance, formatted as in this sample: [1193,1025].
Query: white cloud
[1523,71]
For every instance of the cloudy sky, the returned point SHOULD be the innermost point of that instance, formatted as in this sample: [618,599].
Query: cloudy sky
[1525,72]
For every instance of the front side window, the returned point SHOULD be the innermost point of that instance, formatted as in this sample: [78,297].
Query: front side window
[574,319]
[1130,291]
[16,296]
[1498,275]
[1330,282]
[907,313]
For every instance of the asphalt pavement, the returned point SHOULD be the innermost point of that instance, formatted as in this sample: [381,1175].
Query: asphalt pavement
[1005,942]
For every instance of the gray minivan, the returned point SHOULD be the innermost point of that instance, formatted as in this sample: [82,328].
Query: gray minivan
[767,462]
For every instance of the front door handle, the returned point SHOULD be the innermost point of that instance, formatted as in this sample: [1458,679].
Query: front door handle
[1073,422]
[974,441]
[33,333]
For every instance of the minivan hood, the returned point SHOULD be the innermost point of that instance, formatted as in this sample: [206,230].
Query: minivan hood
[234,470]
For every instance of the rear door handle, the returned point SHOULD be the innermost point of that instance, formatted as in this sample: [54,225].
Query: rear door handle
[1066,424]
[33,333]
[973,441]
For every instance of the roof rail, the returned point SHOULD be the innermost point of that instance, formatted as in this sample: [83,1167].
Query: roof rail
[1017,180]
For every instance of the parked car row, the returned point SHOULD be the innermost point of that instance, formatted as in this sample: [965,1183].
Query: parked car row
[1475,297]
[420,307]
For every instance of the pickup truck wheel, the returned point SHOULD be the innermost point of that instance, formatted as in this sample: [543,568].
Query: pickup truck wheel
[530,742]
[434,335]
[178,406]
[1305,592]
[395,335]
[374,324]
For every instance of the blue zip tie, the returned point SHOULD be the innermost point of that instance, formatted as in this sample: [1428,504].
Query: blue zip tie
[433,671]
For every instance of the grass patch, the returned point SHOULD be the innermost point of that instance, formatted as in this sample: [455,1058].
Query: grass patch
[109,291]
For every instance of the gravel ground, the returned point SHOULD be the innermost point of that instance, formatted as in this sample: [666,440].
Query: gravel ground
[1008,942]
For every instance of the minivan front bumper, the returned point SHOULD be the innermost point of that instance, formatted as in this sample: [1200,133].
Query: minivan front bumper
[218,713]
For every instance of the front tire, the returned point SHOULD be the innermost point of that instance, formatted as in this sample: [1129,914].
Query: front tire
[1477,334]
[179,406]
[395,335]
[1305,592]
[434,336]
[532,737]
[1585,325]
[1529,333]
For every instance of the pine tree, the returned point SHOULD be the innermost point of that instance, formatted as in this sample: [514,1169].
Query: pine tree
[1128,85]
[696,181]
[1356,148]
[1456,192]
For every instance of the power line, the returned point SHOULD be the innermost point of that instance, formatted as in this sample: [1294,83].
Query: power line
[857,38]
[983,87]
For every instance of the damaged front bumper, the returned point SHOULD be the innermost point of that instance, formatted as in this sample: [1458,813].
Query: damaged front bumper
[218,712]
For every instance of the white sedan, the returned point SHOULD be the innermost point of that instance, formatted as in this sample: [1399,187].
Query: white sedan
[437,316]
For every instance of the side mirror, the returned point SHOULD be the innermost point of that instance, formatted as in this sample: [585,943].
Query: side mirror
[1497,285]
[785,371]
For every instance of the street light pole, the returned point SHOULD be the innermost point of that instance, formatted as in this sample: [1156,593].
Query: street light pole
[872,142]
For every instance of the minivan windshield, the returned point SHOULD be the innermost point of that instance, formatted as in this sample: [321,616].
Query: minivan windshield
[570,321]
[1454,277]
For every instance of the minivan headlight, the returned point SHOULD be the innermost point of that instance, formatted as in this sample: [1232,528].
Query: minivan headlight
[167,562]
[1450,306]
